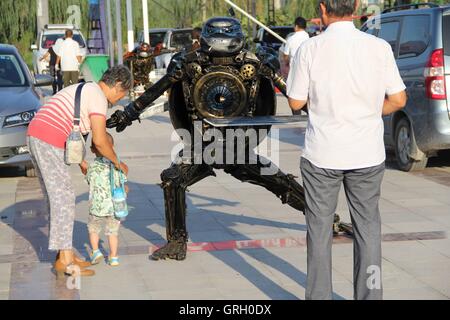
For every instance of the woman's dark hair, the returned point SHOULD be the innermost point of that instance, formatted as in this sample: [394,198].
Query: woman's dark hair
[118,74]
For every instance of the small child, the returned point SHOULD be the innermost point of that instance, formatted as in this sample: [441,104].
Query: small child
[101,208]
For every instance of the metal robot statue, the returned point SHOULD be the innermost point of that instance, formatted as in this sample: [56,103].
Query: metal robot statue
[219,81]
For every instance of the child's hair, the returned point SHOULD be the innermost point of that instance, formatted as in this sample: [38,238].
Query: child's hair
[110,138]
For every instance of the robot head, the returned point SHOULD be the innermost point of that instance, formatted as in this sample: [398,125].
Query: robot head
[222,36]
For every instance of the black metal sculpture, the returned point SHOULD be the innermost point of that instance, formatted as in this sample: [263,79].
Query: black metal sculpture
[219,81]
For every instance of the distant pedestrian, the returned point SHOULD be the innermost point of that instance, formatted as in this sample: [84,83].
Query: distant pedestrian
[296,40]
[55,69]
[350,80]
[69,55]
[101,206]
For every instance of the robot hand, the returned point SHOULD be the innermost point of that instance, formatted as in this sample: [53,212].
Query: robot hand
[122,119]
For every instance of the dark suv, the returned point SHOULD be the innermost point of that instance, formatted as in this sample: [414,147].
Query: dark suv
[265,39]
[420,38]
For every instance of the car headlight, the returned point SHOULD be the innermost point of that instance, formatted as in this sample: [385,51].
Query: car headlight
[19,119]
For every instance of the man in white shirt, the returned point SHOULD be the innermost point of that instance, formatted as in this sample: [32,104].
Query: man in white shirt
[69,55]
[296,40]
[349,80]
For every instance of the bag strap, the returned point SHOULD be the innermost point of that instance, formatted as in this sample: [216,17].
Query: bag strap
[111,176]
[77,109]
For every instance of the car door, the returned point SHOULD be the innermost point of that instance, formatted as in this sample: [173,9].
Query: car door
[390,31]
[414,52]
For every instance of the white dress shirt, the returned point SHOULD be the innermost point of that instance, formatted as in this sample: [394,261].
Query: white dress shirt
[344,74]
[69,50]
[293,43]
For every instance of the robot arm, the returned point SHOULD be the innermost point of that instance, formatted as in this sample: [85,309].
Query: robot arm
[270,66]
[122,119]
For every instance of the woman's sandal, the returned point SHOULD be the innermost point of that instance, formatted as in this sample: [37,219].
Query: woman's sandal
[78,261]
[72,269]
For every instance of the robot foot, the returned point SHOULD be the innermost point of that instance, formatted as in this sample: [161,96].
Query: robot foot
[341,227]
[174,249]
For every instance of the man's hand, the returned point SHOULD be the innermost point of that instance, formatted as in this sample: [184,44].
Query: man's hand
[84,167]
[394,102]
[127,189]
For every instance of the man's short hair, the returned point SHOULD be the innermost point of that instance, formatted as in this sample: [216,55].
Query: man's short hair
[339,8]
[69,33]
[118,74]
[300,22]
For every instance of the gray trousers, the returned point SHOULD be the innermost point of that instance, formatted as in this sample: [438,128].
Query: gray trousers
[56,184]
[362,189]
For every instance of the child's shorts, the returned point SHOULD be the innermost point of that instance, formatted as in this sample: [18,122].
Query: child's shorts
[95,225]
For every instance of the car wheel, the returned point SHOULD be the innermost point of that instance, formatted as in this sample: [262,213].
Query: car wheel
[404,144]
[30,171]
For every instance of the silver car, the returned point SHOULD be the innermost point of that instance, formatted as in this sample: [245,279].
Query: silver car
[420,38]
[19,101]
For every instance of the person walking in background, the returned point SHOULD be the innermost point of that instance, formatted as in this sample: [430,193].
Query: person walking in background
[295,41]
[55,69]
[69,55]
[46,139]
[350,80]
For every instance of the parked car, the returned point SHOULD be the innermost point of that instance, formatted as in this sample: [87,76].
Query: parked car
[174,41]
[157,35]
[420,39]
[19,101]
[46,38]
[265,39]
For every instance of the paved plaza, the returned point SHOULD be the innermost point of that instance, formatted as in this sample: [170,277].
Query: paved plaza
[244,244]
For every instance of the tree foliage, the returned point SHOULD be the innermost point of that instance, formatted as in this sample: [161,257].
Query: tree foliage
[18,17]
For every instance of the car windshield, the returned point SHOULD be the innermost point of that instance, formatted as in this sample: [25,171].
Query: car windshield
[156,37]
[181,39]
[11,74]
[283,32]
[49,40]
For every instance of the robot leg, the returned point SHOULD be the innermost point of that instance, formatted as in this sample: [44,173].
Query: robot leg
[175,181]
[284,186]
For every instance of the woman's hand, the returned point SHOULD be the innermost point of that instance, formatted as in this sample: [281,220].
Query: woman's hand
[84,167]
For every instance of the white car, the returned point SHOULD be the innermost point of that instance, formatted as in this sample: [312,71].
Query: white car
[47,37]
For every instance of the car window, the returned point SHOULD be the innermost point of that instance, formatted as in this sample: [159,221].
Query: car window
[446,34]
[49,40]
[389,32]
[366,29]
[415,36]
[269,38]
[156,37]
[181,39]
[11,74]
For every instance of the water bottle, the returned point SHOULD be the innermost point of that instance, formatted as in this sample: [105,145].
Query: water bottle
[119,196]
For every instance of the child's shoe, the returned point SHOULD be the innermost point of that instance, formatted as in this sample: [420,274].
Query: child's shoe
[96,257]
[114,261]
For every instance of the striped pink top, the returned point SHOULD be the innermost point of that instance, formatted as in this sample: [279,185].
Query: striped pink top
[54,120]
